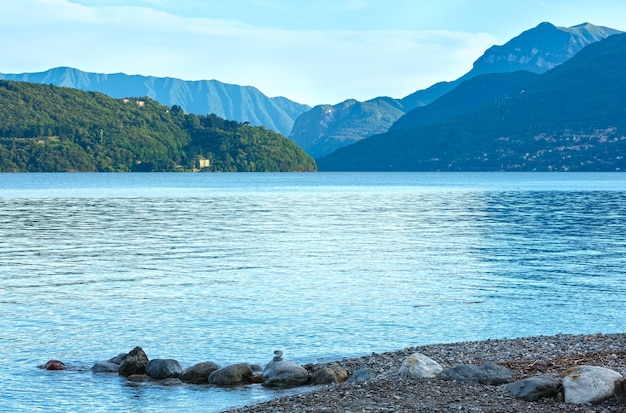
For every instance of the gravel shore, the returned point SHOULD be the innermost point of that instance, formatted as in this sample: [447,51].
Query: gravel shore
[527,357]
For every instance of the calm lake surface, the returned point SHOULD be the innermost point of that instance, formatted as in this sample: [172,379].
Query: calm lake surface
[230,267]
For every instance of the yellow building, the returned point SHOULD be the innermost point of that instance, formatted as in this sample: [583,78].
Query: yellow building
[202,163]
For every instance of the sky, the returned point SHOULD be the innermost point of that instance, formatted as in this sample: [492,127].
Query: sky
[310,51]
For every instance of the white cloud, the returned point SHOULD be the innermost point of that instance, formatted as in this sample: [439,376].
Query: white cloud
[308,66]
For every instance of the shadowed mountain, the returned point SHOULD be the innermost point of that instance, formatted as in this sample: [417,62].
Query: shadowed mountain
[471,94]
[571,118]
[537,50]
[240,103]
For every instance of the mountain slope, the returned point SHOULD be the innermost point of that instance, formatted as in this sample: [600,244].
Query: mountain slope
[572,118]
[345,123]
[469,95]
[549,47]
[48,128]
[536,50]
[240,103]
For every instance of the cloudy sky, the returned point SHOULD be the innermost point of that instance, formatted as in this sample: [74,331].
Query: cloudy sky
[310,51]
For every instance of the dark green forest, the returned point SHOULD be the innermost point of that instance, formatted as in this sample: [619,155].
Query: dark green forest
[45,128]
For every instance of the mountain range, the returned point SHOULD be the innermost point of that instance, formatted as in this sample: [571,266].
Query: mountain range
[326,128]
[491,118]
[233,102]
[570,118]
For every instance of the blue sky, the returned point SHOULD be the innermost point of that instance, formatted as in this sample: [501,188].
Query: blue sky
[312,52]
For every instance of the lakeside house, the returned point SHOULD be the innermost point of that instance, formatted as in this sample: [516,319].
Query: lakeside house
[202,163]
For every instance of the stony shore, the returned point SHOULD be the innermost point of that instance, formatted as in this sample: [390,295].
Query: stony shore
[526,357]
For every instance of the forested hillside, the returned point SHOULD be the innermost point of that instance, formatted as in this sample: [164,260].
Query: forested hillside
[49,128]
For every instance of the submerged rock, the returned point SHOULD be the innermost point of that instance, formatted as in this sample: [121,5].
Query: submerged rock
[53,365]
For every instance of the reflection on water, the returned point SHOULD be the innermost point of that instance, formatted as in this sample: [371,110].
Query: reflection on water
[230,267]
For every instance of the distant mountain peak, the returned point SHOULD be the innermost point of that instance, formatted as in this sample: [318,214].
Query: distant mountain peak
[536,50]
[539,49]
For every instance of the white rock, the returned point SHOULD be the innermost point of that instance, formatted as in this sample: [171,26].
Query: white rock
[589,384]
[418,366]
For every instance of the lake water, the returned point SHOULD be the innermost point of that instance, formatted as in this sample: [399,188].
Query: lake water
[230,267]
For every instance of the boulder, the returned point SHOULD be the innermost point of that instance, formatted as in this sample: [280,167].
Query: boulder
[53,365]
[105,367]
[117,359]
[418,366]
[620,391]
[534,388]
[329,374]
[163,368]
[282,373]
[198,373]
[361,375]
[589,384]
[486,373]
[134,363]
[231,375]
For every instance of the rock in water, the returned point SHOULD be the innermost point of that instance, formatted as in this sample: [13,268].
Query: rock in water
[53,365]
[105,367]
[232,375]
[534,388]
[117,359]
[418,366]
[198,373]
[134,363]
[589,384]
[282,373]
[163,369]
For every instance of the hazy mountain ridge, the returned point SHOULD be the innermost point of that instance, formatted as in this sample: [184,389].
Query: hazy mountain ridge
[551,46]
[536,50]
[234,102]
[345,122]
[571,118]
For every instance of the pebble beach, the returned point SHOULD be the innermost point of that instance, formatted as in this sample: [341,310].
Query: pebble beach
[387,391]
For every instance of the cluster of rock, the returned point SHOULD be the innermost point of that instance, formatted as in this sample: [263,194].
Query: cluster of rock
[578,385]
[278,373]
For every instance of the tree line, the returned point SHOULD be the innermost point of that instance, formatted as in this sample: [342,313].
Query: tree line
[47,128]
